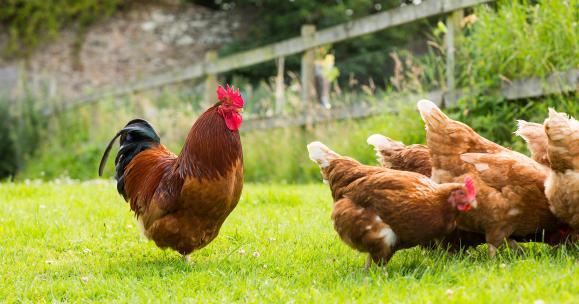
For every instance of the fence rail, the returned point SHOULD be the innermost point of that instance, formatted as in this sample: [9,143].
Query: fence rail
[555,83]
[310,39]
[212,65]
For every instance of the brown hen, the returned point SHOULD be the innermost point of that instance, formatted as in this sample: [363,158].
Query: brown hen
[379,210]
[562,186]
[416,158]
[510,185]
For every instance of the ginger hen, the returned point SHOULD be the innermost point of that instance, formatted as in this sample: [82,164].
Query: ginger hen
[416,158]
[510,185]
[562,186]
[182,201]
[379,210]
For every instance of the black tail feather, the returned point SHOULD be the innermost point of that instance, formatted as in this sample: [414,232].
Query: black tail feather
[137,136]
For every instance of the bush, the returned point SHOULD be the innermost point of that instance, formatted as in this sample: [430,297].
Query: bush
[31,22]
[514,41]
[8,159]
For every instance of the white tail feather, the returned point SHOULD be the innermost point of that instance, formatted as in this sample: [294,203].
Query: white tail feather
[381,142]
[522,129]
[426,106]
[320,154]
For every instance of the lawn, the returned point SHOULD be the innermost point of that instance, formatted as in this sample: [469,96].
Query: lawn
[67,241]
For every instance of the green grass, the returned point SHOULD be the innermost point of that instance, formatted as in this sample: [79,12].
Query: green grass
[67,241]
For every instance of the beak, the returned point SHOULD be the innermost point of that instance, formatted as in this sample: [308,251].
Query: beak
[239,110]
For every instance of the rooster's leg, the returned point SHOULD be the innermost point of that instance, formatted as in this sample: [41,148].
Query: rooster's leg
[187,258]
[368,262]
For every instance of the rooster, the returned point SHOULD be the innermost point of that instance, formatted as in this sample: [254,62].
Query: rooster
[379,210]
[181,201]
[511,195]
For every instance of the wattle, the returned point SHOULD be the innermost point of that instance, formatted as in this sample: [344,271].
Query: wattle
[233,120]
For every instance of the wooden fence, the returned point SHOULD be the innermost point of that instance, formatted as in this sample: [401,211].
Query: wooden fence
[311,39]
[556,83]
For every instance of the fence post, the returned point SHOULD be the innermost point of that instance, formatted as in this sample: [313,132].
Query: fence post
[210,80]
[307,73]
[322,83]
[279,86]
[452,32]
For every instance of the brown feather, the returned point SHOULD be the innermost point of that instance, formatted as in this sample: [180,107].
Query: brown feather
[536,138]
[146,174]
[210,149]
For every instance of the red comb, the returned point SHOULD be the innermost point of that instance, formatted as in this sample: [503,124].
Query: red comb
[470,189]
[230,95]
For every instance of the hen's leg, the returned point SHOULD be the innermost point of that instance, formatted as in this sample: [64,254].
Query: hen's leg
[494,240]
[513,245]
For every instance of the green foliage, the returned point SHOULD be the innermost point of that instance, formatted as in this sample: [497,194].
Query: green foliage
[520,40]
[21,129]
[8,156]
[365,57]
[281,156]
[495,118]
[514,41]
[32,22]
[73,242]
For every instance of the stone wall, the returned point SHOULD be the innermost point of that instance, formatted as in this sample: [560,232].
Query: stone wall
[147,39]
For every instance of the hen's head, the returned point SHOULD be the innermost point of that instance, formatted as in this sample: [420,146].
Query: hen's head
[230,106]
[464,198]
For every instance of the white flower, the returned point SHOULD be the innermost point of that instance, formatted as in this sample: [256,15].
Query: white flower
[256,254]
